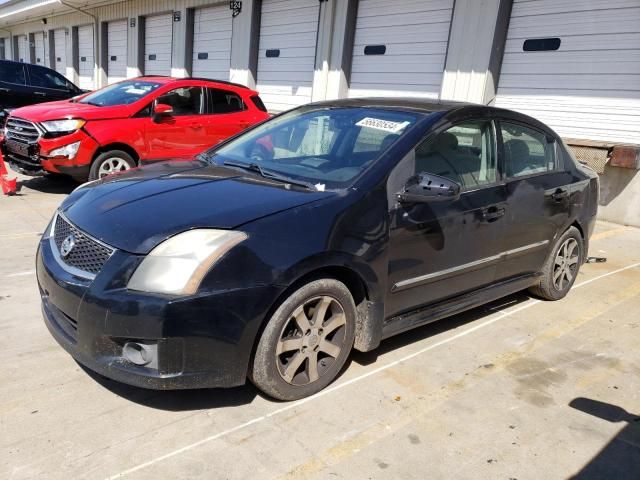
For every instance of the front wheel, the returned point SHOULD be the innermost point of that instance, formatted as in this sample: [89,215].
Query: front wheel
[110,162]
[561,268]
[306,342]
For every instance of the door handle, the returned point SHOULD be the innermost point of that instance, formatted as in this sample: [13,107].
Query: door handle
[195,126]
[41,94]
[493,213]
[560,194]
[5,90]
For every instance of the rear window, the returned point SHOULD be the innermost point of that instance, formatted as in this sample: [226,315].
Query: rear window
[257,101]
[12,73]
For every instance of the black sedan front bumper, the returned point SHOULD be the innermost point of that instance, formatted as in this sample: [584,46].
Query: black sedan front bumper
[201,341]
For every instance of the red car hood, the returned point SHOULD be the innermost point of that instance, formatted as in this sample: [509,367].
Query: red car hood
[68,109]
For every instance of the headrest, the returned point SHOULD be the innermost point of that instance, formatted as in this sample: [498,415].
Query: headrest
[516,149]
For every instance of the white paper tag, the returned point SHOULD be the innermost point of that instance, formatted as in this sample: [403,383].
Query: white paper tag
[136,91]
[384,125]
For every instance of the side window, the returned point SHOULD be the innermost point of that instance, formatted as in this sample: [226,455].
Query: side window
[12,73]
[527,151]
[223,101]
[185,100]
[42,77]
[464,153]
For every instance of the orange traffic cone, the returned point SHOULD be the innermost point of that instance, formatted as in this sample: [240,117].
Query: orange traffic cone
[9,185]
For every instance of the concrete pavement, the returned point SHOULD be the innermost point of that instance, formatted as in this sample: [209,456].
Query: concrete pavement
[518,389]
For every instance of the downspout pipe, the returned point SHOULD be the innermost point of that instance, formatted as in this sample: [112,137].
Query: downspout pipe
[96,31]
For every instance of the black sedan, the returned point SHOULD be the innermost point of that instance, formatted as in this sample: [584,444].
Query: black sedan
[329,227]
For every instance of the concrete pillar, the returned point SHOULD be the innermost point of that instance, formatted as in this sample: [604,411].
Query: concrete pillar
[180,65]
[74,57]
[31,52]
[323,50]
[344,24]
[135,47]
[476,45]
[102,59]
[52,49]
[244,41]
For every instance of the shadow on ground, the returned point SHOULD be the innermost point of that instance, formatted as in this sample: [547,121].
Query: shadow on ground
[202,399]
[620,458]
[57,185]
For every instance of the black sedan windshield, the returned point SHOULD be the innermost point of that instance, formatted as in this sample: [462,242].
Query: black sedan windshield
[122,93]
[328,148]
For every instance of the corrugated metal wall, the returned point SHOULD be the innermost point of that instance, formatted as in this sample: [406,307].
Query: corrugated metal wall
[589,88]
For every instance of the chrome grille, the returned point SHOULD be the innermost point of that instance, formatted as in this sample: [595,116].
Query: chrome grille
[87,255]
[21,130]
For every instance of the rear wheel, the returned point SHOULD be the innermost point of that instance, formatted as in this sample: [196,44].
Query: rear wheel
[110,162]
[561,268]
[306,342]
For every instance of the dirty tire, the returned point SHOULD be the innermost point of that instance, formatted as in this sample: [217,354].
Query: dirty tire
[110,162]
[306,342]
[561,268]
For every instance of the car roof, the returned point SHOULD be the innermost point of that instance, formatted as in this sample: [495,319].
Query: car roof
[426,105]
[166,79]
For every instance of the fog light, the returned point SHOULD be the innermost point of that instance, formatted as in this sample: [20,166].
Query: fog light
[68,151]
[141,354]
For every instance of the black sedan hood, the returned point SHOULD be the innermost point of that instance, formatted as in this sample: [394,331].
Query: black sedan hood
[137,210]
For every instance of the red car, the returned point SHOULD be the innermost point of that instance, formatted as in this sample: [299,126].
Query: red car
[117,127]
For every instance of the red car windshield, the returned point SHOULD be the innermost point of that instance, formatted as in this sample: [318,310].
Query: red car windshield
[122,93]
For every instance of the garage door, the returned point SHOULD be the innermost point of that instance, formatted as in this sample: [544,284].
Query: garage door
[575,66]
[86,59]
[400,48]
[286,61]
[23,49]
[212,42]
[116,51]
[41,50]
[158,39]
[60,46]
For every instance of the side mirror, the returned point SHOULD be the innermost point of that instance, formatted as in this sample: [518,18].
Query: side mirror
[426,187]
[162,110]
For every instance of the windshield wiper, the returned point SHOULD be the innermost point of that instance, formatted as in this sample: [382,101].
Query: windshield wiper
[254,167]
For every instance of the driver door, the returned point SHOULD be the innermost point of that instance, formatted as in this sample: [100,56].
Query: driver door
[181,134]
[441,249]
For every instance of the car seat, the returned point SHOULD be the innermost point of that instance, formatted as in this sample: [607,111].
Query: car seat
[517,157]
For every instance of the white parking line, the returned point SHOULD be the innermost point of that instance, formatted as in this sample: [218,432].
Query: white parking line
[224,433]
[22,274]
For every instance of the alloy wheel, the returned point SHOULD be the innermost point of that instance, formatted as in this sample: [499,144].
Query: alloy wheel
[311,340]
[112,165]
[566,263]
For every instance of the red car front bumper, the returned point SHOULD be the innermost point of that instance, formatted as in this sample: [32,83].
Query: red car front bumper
[38,158]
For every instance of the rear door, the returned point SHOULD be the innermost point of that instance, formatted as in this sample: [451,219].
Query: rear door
[226,115]
[442,249]
[14,91]
[538,190]
[48,85]
[182,134]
